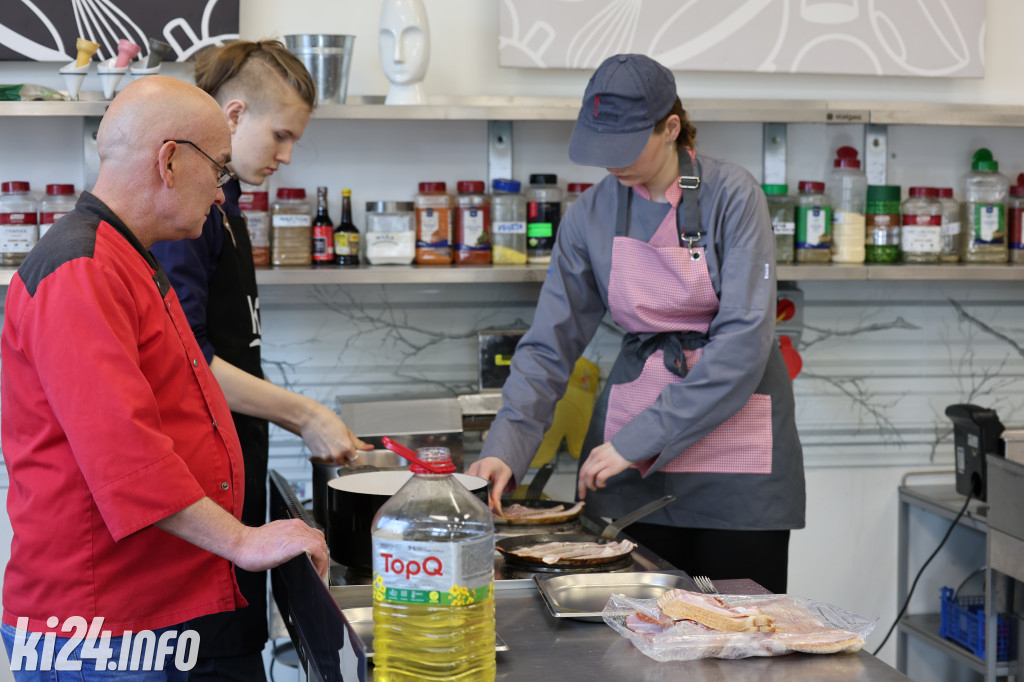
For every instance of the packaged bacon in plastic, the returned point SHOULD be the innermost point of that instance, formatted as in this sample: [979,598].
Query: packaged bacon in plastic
[682,625]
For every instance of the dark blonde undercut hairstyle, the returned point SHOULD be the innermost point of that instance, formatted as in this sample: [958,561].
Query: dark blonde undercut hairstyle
[687,132]
[254,73]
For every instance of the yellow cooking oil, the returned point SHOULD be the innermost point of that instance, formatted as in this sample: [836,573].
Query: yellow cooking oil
[414,642]
[433,578]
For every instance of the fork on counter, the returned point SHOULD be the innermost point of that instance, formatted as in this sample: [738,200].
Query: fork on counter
[704,584]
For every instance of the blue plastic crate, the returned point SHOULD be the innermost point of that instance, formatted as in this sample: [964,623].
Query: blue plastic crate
[963,621]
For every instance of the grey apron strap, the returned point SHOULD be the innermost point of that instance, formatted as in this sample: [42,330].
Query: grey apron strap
[690,232]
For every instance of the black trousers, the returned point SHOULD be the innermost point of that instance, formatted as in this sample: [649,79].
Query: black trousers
[761,555]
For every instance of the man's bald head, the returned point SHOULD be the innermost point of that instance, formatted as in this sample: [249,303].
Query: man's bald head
[161,187]
[153,109]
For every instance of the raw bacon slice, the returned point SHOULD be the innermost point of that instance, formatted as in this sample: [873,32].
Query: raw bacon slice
[553,552]
[524,515]
[710,611]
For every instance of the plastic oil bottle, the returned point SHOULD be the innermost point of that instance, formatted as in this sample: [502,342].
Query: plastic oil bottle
[433,580]
[986,192]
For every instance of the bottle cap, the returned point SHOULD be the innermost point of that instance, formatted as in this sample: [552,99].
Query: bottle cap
[883,193]
[291,193]
[774,190]
[1017,191]
[390,206]
[982,160]
[945,192]
[846,157]
[580,187]
[471,186]
[439,460]
[924,192]
[60,189]
[811,186]
[346,193]
[506,185]
[15,186]
[543,179]
[433,187]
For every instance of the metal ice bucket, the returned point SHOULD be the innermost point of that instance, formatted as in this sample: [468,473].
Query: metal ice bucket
[328,58]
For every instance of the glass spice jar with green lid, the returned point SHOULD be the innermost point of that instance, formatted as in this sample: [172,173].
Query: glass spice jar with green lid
[782,210]
[882,234]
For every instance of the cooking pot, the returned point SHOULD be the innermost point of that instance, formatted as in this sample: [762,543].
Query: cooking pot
[324,471]
[353,501]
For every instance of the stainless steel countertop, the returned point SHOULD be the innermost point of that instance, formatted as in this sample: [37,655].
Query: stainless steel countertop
[542,647]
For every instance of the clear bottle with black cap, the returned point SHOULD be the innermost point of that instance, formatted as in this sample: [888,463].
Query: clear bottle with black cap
[544,211]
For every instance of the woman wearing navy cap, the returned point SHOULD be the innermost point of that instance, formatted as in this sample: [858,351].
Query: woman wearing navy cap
[678,247]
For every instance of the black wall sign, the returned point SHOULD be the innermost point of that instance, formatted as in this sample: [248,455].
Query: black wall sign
[46,30]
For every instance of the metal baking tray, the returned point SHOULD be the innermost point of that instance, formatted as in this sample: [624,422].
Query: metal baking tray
[584,595]
[361,620]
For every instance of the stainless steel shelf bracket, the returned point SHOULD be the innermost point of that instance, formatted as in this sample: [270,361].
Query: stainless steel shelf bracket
[876,153]
[774,157]
[499,151]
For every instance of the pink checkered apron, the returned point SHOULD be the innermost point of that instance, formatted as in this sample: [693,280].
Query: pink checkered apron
[668,325]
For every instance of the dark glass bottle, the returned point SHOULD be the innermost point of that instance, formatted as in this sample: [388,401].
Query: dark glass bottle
[346,235]
[323,231]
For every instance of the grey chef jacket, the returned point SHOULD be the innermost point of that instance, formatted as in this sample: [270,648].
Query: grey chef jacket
[739,357]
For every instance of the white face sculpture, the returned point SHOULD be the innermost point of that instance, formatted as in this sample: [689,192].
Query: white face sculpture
[404,41]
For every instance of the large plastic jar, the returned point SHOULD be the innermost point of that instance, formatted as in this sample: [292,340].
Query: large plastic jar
[882,224]
[433,580]
[433,223]
[573,192]
[952,228]
[508,223]
[19,222]
[847,191]
[291,226]
[1015,220]
[390,232]
[813,224]
[984,225]
[782,210]
[472,224]
[254,202]
[921,233]
[58,202]
[544,212]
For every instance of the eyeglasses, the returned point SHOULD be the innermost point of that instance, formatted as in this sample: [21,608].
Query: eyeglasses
[224,175]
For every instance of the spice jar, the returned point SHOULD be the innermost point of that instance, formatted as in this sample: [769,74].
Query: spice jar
[921,234]
[544,211]
[1014,219]
[433,223]
[291,228]
[782,210]
[19,222]
[390,232]
[472,224]
[573,192]
[58,202]
[985,195]
[951,226]
[254,203]
[508,223]
[882,223]
[847,190]
[813,224]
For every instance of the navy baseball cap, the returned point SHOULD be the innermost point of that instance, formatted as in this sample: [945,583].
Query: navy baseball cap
[625,98]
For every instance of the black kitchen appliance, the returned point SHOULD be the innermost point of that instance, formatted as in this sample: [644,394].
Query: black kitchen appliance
[976,433]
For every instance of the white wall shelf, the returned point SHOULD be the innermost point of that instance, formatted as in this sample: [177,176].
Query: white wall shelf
[496,108]
[499,274]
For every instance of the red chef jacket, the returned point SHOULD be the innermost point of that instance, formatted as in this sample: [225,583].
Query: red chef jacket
[112,421]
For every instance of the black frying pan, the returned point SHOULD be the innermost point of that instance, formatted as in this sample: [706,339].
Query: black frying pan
[508,546]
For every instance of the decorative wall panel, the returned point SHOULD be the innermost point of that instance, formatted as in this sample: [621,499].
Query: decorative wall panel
[46,30]
[865,37]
